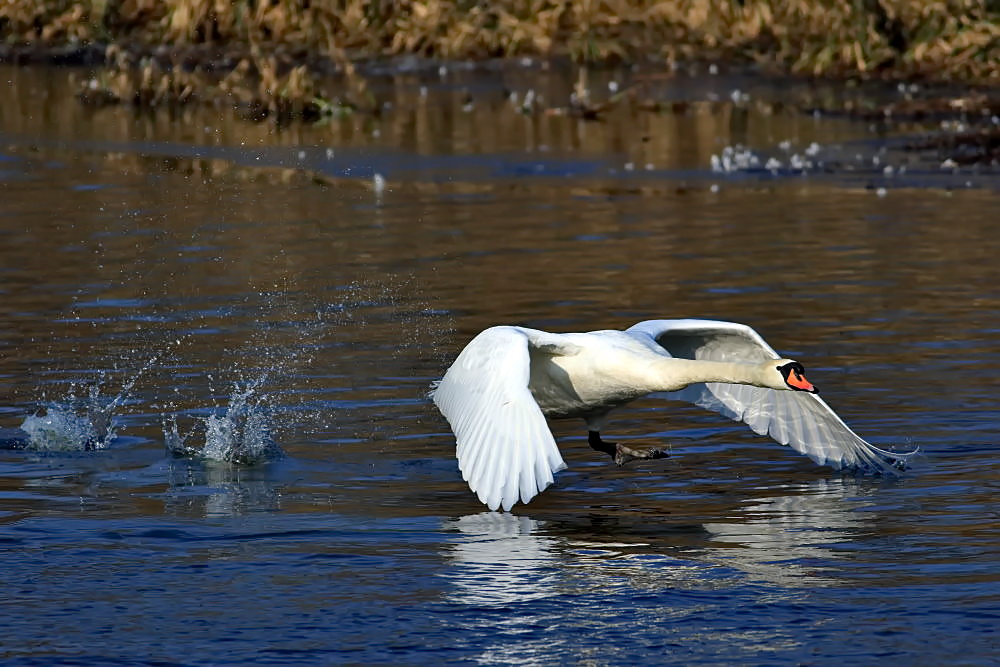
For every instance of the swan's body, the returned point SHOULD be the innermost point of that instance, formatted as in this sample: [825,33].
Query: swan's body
[501,387]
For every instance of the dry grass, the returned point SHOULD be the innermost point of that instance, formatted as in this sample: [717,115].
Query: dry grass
[259,87]
[935,38]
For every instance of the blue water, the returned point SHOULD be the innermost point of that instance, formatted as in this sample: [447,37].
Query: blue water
[307,319]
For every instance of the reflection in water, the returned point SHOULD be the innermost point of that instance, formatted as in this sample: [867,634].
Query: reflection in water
[219,489]
[784,539]
[500,561]
[512,573]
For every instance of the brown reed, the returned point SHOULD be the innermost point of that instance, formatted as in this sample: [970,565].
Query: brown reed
[937,38]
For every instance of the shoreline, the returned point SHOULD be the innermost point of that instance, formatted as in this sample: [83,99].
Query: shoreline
[308,62]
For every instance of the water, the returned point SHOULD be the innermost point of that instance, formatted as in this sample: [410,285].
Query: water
[310,509]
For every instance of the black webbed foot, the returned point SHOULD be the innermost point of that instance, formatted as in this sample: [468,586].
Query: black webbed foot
[622,454]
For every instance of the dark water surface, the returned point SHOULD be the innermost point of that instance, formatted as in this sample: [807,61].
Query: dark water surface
[212,242]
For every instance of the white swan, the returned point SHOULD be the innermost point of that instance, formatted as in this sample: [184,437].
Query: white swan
[501,387]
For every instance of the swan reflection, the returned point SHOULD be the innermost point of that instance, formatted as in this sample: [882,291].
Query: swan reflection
[787,540]
[511,572]
[500,560]
[503,563]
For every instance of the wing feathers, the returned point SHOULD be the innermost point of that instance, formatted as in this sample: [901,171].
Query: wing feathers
[802,421]
[504,447]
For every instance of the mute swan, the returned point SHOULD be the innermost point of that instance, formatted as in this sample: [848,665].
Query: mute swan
[501,387]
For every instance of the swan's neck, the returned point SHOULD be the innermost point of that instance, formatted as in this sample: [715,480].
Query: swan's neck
[675,374]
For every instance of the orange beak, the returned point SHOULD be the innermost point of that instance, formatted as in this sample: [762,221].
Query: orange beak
[799,381]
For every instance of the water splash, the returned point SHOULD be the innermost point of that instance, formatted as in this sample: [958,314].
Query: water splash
[62,429]
[241,433]
[246,428]
[80,423]
[273,381]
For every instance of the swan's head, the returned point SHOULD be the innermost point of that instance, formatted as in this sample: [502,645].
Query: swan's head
[790,375]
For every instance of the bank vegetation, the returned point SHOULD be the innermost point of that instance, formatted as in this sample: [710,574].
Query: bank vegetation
[939,39]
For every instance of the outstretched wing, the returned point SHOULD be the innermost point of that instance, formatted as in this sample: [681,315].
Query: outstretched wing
[505,449]
[802,420]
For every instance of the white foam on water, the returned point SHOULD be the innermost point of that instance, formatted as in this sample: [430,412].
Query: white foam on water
[74,424]
[61,429]
[85,423]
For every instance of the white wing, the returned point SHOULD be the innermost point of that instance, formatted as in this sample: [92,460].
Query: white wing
[505,449]
[799,419]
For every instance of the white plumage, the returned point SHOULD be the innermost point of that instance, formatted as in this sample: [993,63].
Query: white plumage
[507,380]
